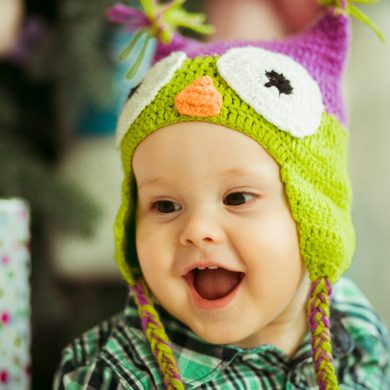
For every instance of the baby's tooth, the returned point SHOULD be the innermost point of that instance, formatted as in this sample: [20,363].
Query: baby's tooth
[201,268]
[212,267]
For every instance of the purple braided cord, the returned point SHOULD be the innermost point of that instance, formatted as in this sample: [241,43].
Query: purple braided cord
[150,320]
[318,340]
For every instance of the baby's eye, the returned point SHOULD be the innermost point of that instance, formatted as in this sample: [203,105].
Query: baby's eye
[237,198]
[166,206]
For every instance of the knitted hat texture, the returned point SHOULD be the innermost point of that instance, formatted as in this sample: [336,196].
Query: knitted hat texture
[313,165]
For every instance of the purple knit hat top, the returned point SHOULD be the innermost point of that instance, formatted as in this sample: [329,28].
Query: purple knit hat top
[322,50]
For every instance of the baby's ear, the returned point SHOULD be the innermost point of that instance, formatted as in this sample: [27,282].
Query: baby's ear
[323,51]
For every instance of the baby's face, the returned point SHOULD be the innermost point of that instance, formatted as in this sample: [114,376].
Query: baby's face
[215,238]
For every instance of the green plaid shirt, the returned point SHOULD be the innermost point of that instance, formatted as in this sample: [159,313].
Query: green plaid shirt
[116,355]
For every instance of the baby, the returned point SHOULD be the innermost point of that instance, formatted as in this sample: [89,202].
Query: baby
[235,227]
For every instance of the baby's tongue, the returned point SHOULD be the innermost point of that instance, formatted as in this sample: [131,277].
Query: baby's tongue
[215,283]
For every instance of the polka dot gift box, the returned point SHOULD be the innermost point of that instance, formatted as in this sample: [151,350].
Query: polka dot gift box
[14,295]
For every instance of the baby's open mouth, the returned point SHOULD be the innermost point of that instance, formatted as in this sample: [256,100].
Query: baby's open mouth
[213,282]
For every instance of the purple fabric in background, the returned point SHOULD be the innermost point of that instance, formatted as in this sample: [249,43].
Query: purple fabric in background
[131,18]
[32,37]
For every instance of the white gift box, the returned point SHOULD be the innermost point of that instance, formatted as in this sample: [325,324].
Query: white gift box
[14,295]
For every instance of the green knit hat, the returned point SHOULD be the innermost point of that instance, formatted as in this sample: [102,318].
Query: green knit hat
[313,168]
[286,96]
[297,119]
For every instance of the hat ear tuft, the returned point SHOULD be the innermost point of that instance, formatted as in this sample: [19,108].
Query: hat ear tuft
[323,51]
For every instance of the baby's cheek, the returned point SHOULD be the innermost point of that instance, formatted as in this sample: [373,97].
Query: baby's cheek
[282,229]
[153,251]
[274,234]
[270,248]
[146,250]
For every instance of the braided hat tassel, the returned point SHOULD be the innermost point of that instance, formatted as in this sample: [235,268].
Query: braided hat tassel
[158,339]
[319,304]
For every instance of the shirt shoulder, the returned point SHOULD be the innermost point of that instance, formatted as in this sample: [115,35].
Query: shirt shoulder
[358,315]
[112,355]
[368,361]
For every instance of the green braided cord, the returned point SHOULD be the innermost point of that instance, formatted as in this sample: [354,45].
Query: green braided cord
[319,303]
[158,339]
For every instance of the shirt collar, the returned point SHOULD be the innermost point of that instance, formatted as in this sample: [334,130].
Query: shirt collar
[200,362]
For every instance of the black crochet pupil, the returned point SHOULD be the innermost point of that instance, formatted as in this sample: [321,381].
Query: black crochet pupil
[279,81]
[133,91]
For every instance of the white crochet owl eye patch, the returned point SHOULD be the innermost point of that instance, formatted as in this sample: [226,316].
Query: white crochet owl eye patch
[156,78]
[276,87]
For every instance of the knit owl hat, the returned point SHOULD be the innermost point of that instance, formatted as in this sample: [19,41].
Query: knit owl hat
[285,95]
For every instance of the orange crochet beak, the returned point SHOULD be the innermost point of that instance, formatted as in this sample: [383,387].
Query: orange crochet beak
[199,99]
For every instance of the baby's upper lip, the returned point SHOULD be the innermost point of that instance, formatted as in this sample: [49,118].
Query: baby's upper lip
[208,264]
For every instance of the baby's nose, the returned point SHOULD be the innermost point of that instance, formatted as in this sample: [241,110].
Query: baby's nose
[199,99]
[201,230]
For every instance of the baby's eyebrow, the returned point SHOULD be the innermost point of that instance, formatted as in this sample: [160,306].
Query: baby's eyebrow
[149,182]
[238,171]
[258,173]
[242,172]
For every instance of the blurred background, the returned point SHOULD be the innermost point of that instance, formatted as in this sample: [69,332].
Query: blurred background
[60,93]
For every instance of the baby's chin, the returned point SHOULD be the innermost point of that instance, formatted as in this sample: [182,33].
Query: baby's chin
[225,337]
[226,334]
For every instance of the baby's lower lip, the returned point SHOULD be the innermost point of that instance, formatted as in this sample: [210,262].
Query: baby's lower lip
[207,304]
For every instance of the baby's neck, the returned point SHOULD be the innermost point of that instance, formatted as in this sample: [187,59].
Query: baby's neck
[285,335]
[287,331]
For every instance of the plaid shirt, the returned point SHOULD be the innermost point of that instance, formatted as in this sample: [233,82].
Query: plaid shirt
[116,355]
